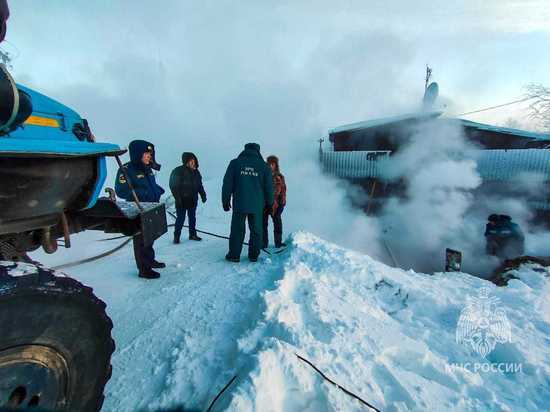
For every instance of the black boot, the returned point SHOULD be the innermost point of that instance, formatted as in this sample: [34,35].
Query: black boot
[232,259]
[176,239]
[149,274]
[158,265]
[195,237]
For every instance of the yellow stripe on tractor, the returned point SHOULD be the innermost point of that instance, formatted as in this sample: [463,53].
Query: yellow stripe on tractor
[42,121]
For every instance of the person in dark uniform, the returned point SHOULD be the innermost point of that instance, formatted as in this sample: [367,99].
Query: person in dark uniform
[503,237]
[140,173]
[249,184]
[186,186]
[279,189]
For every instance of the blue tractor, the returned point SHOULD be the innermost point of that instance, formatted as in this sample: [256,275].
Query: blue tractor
[55,336]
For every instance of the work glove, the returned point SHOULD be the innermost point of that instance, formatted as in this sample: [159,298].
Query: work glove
[226,207]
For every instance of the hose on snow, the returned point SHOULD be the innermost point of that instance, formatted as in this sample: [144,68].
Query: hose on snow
[129,238]
[220,393]
[93,258]
[347,392]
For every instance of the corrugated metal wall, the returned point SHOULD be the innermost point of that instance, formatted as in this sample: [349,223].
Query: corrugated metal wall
[492,165]
[511,164]
[355,165]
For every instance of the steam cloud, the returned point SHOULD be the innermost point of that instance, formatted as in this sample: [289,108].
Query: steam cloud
[210,78]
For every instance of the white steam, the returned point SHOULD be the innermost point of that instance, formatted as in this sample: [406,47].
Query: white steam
[439,182]
[209,77]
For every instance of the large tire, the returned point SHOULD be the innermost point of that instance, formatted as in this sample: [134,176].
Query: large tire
[55,341]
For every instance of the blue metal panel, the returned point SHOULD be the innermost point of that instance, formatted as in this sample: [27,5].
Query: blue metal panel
[10,146]
[44,104]
[46,107]
[101,176]
[47,138]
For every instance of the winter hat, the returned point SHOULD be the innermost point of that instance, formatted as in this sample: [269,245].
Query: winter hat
[138,147]
[186,156]
[252,146]
[273,159]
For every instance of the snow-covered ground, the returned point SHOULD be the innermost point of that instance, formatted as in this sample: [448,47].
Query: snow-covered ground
[385,334]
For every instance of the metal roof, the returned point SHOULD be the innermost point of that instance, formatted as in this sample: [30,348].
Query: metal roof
[384,121]
[504,130]
[387,121]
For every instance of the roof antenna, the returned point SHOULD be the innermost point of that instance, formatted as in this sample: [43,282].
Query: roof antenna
[428,76]
[431,91]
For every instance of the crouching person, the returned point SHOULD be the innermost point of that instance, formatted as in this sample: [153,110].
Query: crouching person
[139,174]
[248,183]
[186,186]
[279,187]
[503,237]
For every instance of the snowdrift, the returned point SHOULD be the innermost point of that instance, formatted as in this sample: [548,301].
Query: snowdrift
[389,336]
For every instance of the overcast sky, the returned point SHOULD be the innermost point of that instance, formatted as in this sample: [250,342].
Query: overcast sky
[196,74]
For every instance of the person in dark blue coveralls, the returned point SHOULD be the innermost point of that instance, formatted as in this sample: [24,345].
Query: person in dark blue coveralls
[140,173]
[247,184]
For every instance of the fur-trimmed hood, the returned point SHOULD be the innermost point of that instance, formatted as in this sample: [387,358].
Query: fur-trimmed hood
[186,156]
[273,159]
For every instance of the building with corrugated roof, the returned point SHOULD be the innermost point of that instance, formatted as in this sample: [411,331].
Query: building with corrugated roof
[361,153]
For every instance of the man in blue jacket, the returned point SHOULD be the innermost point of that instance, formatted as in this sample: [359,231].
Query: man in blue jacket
[139,171]
[249,183]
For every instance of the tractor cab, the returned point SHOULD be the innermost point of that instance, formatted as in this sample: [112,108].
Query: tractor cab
[54,171]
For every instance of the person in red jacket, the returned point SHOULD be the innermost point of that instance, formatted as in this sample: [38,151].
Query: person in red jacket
[279,190]
[4,15]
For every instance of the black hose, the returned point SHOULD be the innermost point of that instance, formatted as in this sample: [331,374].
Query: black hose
[227,385]
[93,258]
[111,251]
[325,377]
[202,231]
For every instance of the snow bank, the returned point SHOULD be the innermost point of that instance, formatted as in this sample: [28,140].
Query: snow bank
[390,337]
[386,334]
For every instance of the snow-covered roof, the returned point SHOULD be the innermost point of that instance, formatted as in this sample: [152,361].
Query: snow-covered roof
[505,130]
[385,121]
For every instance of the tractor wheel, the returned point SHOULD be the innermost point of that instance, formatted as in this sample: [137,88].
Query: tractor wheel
[55,341]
